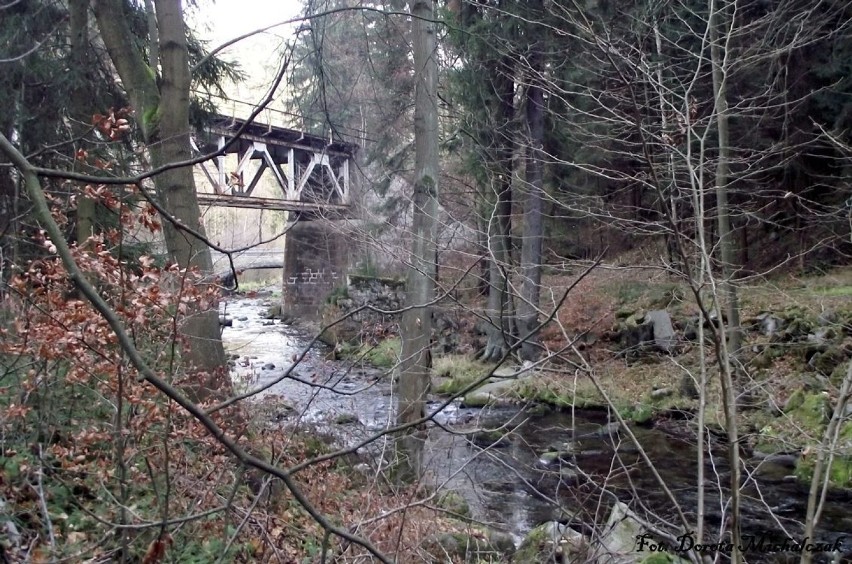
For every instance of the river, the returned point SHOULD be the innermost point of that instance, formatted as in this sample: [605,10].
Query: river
[502,475]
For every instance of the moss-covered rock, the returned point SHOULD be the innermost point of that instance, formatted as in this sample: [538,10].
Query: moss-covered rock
[455,503]
[493,393]
[839,475]
[346,419]
[826,361]
[553,542]
[639,413]
[456,372]
[814,412]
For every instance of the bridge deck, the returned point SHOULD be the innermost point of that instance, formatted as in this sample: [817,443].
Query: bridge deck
[255,202]
[312,173]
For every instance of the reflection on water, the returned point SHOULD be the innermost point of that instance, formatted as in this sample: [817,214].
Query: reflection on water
[493,456]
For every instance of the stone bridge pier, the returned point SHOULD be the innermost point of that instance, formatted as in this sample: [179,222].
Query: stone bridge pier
[315,262]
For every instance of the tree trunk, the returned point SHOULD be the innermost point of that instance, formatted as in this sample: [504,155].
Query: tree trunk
[78,23]
[499,219]
[178,185]
[726,240]
[727,347]
[162,111]
[416,327]
[533,227]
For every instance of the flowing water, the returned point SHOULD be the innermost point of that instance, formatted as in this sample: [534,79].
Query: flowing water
[493,457]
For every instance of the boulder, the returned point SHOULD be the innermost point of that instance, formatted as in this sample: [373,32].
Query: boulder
[663,331]
[621,530]
[636,337]
[769,324]
[827,317]
[826,361]
[273,312]
[500,392]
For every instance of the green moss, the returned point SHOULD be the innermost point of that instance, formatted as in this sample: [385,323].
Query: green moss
[337,294]
[796,400]
[648,295]
[151,119]
[454,503]
[641,413]
[459,372]
[385,354]
[769,442]
[840,472]
[837,291]
[839,475]
[534,547]
[579,399]
[814,412]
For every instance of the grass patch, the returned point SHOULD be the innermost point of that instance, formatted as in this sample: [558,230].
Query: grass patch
[839,291]
[385,354]
[456,373]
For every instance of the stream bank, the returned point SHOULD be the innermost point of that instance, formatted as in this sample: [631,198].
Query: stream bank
[516,466]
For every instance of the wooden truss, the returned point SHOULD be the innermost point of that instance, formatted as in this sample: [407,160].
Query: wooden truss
[312,172]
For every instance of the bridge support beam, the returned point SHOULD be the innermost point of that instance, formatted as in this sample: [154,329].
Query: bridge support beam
[315,263]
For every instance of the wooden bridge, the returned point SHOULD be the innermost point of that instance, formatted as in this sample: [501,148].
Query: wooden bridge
[312,172]
[313,175]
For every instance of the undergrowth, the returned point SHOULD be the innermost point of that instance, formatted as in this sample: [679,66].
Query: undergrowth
[98,466]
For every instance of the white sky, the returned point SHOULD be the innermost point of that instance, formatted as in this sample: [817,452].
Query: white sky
[227,19]
[259,56]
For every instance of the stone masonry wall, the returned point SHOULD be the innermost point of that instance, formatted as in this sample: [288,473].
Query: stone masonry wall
[315,262]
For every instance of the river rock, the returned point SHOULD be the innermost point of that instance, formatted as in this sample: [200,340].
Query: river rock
[826,361]
[769,324]
[501,392]
[555,457]
[621,530]
[273,312]
[346,419]
[827,317]
[490,438]
[663,331]
[635,337]
[475,546]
